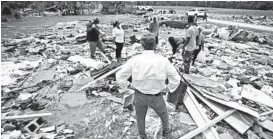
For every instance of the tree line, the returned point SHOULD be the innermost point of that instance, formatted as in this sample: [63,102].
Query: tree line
[77,7]
[257,5]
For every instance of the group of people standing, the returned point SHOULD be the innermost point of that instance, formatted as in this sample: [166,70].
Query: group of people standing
[93,37]
[149,70]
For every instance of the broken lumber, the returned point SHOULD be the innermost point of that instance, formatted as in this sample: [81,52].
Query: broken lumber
[26,116]
[231,104]
[266,113]
[234,105]
[235,120]
[255,95]
[100,78]
[211,123]
[198,116]
[267,125]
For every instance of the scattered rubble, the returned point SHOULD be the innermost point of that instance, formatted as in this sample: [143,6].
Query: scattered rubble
[52,71]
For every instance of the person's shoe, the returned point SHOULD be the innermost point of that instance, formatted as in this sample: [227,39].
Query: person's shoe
[169,134]
[92,56]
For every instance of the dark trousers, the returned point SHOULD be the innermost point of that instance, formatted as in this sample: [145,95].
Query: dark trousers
[157,103]
[187,57]
[118,49]
[174,48]
[195,54]
[93,46]
[156,39]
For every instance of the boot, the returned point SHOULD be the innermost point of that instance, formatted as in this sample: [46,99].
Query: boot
[169,134]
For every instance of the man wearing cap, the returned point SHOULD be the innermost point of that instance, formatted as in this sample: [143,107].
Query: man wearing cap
[149,72]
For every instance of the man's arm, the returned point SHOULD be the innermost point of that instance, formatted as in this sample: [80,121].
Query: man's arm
[184,45]
[189,34]
[124,73]
[173,77]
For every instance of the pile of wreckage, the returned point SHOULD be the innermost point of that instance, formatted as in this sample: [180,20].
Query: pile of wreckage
[257,20]
[232,84]
[40,68]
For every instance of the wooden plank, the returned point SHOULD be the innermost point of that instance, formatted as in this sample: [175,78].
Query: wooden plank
[232,104]
[199,119]
[235,120]
[211,123]
[204,116]
[26,116]
[255,95]
[267,125]
[266,113]
[100,78]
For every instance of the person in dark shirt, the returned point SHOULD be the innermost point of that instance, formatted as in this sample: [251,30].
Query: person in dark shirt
[175,42]
[93,35]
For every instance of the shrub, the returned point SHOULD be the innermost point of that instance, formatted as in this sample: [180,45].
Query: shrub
[6,11]
[17,15]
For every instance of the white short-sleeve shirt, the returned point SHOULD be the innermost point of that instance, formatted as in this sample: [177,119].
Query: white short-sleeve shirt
[119,34]
[192,33]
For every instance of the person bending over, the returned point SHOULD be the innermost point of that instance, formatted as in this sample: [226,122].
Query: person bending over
[175,42]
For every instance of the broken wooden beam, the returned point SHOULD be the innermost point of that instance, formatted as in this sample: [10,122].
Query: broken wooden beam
[249,92]
[211,123]
[232,104]
[267,113]
[198,116]
[266,124]
[235,120]
[100,78]
[25,116]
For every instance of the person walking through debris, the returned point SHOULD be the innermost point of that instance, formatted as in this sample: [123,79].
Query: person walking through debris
[154,28]
[205,17]
[93,35]
[175,42]
[149,71]
[190,44]
[119,38]
[200,45]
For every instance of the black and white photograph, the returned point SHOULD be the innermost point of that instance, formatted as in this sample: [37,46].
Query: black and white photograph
[136,69]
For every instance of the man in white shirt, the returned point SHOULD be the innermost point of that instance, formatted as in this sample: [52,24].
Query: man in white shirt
[149,72]
[190,44]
